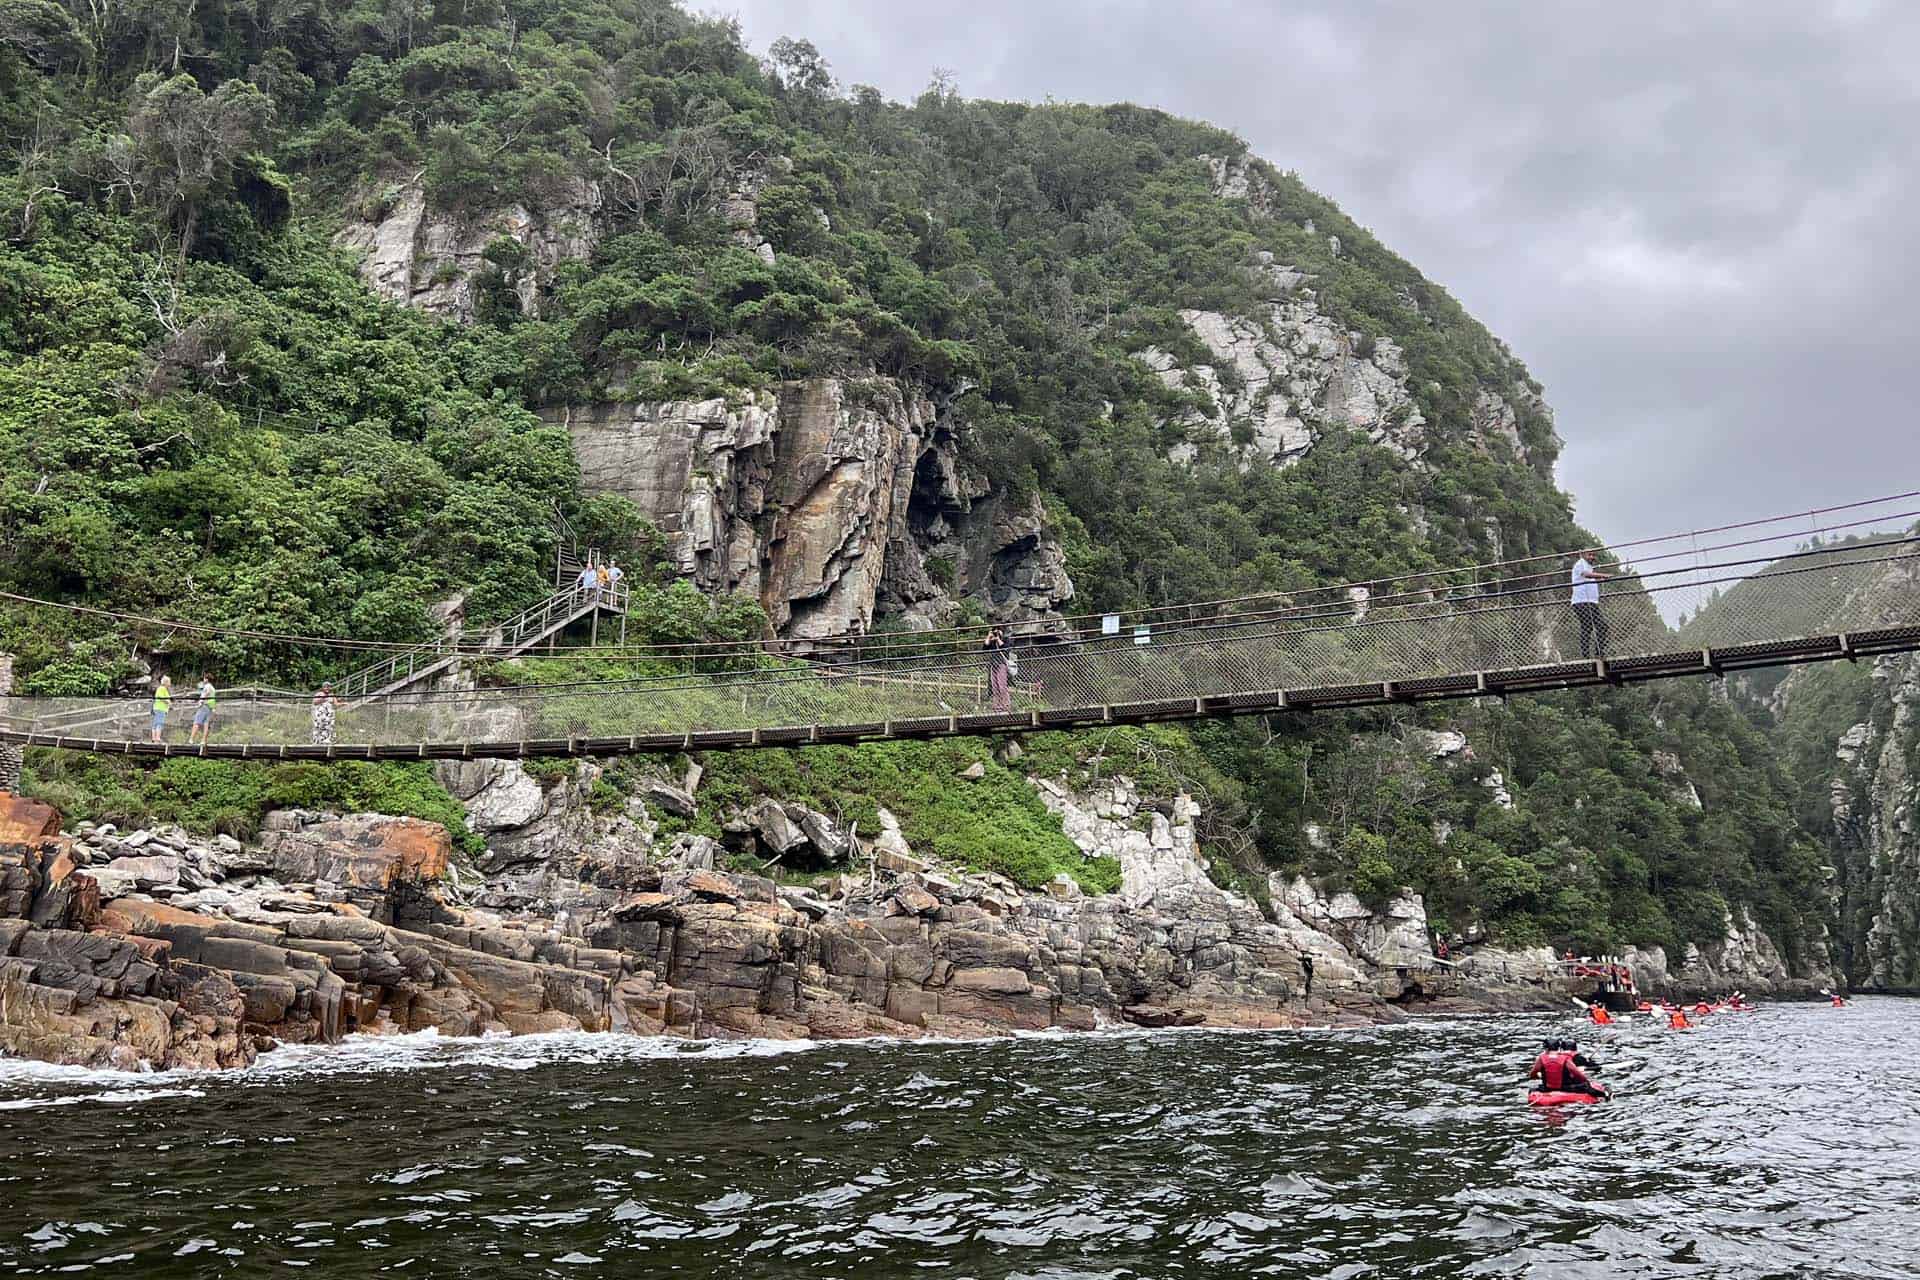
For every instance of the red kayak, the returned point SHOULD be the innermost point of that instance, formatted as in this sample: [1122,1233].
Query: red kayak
[1543,1098]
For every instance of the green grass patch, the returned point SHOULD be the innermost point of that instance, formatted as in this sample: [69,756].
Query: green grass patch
[214,797]
[993,823]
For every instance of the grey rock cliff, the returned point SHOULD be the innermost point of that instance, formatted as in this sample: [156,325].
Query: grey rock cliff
[832,502]
[428,258]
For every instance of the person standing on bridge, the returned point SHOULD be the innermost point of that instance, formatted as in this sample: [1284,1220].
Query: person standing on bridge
[204,699]
[614,574]
[323,711]
[162,703]
[589,585]
[1586,604]
[999,675]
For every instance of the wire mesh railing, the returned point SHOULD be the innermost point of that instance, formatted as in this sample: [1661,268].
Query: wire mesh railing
[1384,646]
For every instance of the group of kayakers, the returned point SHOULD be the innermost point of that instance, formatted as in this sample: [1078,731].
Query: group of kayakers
[1677,1015]
[1563,1072]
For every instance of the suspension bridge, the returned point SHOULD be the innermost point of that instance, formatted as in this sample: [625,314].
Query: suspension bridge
[1701,604]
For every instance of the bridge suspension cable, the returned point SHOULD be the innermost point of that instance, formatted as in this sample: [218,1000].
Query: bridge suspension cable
[1837,601]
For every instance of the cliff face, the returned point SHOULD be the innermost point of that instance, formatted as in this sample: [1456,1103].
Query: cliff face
[832,502]
[1851,735]
[1872,791]
[800,330]
[431,259]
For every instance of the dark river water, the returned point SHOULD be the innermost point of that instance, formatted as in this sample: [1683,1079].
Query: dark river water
[1779,1143]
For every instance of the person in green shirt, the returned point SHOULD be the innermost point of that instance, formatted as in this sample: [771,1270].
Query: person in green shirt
[162,703]
[206,697]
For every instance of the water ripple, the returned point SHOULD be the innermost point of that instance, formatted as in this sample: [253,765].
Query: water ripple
[1782,1143]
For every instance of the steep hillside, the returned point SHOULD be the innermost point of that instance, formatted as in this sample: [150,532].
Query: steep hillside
[1849,739]
[315,322]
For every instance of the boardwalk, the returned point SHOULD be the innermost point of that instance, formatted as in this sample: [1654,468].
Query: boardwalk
[1425,637]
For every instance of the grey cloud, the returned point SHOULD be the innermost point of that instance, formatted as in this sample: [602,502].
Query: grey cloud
[1692,221]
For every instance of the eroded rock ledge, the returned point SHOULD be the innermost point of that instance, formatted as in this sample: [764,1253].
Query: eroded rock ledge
[154,949]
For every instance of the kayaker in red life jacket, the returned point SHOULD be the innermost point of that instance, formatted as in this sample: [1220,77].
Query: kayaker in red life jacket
[1559,1070]
[1598,1013]
[1677,1019]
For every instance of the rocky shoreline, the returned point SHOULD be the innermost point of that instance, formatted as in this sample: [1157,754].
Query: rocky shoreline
[153,949]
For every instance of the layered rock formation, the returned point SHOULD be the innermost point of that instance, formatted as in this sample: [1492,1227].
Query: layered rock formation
[430,258]
[206,953]
[831,501]
[1745,960]
[152,948]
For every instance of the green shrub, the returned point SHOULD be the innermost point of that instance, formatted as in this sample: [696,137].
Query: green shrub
[211,797]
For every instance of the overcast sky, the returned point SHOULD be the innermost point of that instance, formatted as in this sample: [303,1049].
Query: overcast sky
[1698,223]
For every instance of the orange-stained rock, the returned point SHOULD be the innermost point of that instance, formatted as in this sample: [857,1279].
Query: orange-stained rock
[154,949]
[24,821]
[424,848]
[647,906]
[363,854]
[131,915]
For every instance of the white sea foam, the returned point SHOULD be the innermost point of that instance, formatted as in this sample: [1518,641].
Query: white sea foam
[108,1097]
[430,1051]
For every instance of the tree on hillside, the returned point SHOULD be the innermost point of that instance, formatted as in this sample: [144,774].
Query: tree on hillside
[40,32]
[185,144]
[800,67]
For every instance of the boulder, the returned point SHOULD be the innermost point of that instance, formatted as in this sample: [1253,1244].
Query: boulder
[365,855]
[668,798]
[711,886]
[822,833]
[145,874]
[805,903]
[509,799]
[1153,1015]
[776,830]
[912,900]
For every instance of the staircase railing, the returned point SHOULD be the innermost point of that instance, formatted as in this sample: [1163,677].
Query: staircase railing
[509,637]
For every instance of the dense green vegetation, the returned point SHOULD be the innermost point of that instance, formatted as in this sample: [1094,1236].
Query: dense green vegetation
[166,263]
[205,415]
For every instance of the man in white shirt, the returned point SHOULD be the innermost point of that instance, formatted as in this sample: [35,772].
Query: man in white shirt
[589,584]
[1586,603]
